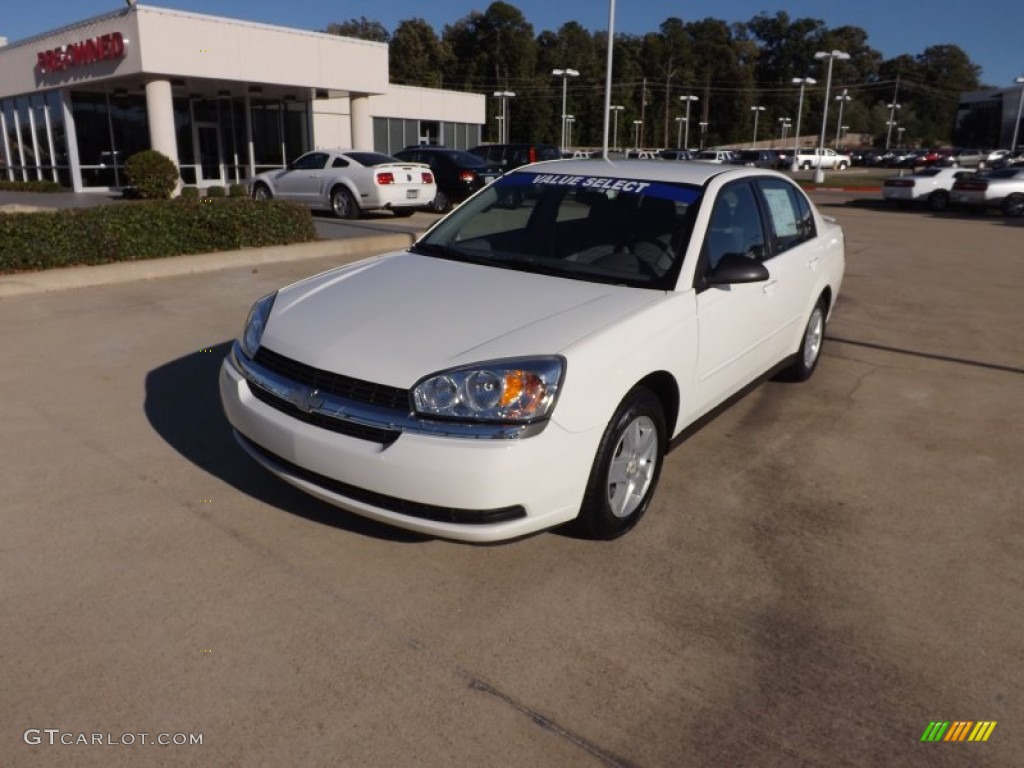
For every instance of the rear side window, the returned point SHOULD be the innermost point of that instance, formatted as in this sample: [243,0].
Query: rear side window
[789,214]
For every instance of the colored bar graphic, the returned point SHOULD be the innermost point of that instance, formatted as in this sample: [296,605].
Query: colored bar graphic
[958,730]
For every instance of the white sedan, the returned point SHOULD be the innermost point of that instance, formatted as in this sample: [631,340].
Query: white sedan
[349,182]
[931,186]
[1002,189]
[529,361]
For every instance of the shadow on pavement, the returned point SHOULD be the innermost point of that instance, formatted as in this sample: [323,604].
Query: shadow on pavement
[183,406]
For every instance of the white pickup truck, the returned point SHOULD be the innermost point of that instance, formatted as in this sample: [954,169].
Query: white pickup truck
[812,157]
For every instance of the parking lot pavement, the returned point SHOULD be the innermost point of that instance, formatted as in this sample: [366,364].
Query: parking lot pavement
[827,568]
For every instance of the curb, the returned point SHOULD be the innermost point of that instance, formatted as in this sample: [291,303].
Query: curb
[23,283]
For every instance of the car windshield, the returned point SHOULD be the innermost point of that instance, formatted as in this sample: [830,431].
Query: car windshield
[604,229]
[371,158]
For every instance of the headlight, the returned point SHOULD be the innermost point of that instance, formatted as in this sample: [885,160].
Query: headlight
[256,323]
[520,390]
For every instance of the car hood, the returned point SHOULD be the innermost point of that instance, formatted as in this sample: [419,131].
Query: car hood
[399,317]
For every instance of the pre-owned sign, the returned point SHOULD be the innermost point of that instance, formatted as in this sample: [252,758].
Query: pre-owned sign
[102,48]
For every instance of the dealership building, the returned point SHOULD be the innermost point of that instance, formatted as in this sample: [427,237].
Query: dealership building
[224,98]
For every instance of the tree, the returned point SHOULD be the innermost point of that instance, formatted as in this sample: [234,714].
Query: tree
[417,56]
[361,28]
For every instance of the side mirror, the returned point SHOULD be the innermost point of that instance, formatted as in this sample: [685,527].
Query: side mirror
[734,268]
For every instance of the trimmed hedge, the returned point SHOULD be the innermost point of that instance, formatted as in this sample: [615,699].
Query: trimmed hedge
[153,175]
[31,186]
[147,229]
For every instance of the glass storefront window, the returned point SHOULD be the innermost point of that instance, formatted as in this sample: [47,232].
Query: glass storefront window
[267,136]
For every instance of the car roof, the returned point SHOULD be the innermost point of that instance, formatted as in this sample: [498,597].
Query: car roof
[646,170]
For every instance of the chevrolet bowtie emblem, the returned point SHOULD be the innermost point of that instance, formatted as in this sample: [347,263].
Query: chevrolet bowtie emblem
[307,400]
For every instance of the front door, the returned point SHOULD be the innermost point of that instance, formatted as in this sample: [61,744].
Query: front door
[209,158]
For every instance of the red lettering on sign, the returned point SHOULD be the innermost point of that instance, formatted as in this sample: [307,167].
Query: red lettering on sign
[82,53]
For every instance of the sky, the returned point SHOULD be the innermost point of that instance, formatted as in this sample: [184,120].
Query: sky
[991,32]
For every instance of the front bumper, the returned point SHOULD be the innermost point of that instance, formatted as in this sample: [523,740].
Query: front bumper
[476,490]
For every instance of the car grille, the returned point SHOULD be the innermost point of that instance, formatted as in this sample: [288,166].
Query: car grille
[392,503]
[341,426]
[334,383]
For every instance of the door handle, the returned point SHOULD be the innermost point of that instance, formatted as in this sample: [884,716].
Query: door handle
[770,287]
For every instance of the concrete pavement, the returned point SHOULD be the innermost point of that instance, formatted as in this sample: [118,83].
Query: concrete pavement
[827,567]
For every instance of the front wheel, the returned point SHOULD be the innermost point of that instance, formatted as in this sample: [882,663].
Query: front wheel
[626,468]
[810,347]
[343,204]
[1013,205]
[842,166]
[261,192]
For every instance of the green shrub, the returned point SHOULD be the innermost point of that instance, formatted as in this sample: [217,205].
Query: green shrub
[190,192]
[147,229]
[153,175]
[238,190]
[31,186]
[215,192]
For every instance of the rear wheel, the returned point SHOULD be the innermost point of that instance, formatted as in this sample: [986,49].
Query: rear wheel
[938,200]
[810,347]
[343,204]
[441,203]
[1014,205]
[626,468]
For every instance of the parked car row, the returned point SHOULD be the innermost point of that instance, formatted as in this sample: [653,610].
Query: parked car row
[938,188]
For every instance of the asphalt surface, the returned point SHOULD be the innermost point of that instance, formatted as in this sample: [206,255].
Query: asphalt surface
[827,567]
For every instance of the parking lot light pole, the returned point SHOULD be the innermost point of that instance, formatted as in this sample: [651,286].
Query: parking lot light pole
[842,99]
[801,81]
[819,173]
[1020,109]
[569,120]
[703,133]
[689,99]
[565,74]
[636,133]
[615,108]
[757,113]
[503,119]
[784,124]
[679,133]
[892,121]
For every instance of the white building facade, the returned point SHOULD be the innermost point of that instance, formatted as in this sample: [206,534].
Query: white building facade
[224,98]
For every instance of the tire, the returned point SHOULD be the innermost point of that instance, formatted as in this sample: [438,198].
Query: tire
[441,203]
[938,200]
[1013,206]
[404,212]
[810,347]
[343,204]
[842,166]
[261,192]
[626,468]
[806,166]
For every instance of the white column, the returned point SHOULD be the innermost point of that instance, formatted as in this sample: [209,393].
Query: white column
[160,110]
[362,122]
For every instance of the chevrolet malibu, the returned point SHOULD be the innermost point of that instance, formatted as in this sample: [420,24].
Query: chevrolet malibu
[529,361]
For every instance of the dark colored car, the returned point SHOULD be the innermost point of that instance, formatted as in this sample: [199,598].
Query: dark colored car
[509,156]
[458,173]
[758,158]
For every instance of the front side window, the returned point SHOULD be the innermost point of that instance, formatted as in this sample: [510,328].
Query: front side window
[314,161]
[735,226]
[603,229]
